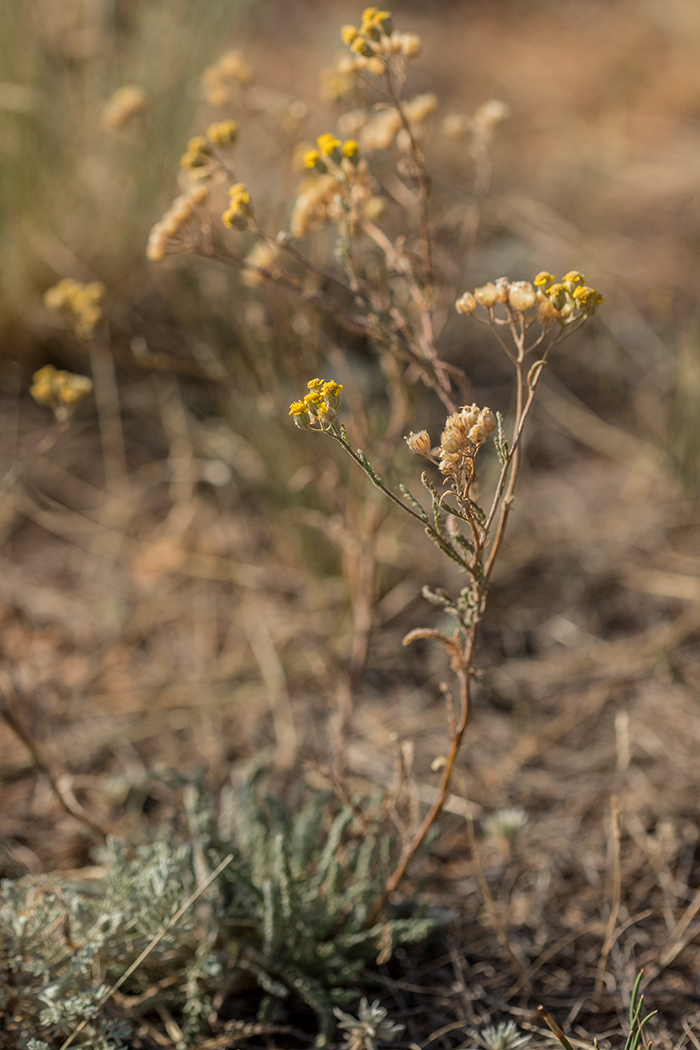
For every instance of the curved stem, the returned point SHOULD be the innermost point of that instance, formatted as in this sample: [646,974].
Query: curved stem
[418,838]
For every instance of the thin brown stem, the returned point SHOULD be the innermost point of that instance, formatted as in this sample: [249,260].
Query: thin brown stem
[43,765]
[418,838]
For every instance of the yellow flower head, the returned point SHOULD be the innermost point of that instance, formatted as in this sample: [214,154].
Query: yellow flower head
[587,299]
[126,102]
[327,144]
[198,153]
[574,277]
[223,133]
[557,295]
[351,148]
[61,391]
[543,278]
[238,210]
[348,34]
[373,21]
[311,158]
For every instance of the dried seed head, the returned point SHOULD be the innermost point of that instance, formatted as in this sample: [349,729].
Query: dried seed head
[466,304]
[521,295]
[420,108]
[489,116]
[486,294]
[419,443]
[502,289]
[410,44]
[126,102]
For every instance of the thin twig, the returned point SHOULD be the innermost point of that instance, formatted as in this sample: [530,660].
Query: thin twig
[616,896]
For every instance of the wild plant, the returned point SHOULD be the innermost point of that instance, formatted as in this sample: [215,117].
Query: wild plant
[282,896]
[364,243]
[395,289]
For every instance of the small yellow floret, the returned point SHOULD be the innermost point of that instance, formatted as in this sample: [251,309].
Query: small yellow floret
[348,34]
[574,276]
[587,298]
[543,278]
[315,384]
[311,158]
[327,144]
[197,153]
[351,147]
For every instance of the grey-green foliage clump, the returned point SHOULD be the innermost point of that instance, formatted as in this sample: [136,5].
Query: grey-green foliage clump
[284,922]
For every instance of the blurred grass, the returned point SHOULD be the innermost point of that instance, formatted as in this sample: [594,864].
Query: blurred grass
[75,198]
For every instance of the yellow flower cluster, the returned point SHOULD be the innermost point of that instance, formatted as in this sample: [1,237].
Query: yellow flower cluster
[126,102]
[198,153]
[372,46]
[176,217]
[238,211]
[331,149]
[319,407]
[570,297]
[565,301]
[79,303]
[340,188]
[61,391]
[221,79]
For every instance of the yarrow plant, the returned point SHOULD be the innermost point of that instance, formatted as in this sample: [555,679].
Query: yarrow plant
[528,320]
[366,186]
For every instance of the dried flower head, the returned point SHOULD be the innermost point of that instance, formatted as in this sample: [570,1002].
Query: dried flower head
[222,79]
[486,294]
[465,432]
[521,295]
[488,117]
[163,236]
[420,443]
[466,304]
[126,103]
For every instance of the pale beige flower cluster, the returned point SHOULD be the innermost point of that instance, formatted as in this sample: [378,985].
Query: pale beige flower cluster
[124,105]
[222,79]
[162,236]
[326,198]
[78,302]
[465,432]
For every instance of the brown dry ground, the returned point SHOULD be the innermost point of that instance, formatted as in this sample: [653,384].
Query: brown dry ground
[155,620]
